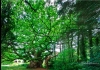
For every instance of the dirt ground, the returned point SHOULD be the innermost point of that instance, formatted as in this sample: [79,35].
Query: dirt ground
[40,69]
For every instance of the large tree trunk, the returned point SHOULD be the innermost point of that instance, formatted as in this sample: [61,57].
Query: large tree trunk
[35,64]
[37,61]
[47,60]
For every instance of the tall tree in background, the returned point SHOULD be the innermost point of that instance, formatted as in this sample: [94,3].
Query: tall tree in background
[7,25]
[88,12]
[86,22]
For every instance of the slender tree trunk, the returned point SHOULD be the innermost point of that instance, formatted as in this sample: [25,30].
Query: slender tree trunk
[71,47]
[90,43]
[97,41]
[78,48]
[82,50]
[60,47]
[97,44]
[54,52]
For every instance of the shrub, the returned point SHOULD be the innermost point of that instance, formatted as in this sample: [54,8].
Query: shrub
[63,62]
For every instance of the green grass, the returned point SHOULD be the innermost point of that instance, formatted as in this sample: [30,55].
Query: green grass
[20,67]
[13,66]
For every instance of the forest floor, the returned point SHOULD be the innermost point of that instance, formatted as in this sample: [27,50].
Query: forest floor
[40,69]
[12,66]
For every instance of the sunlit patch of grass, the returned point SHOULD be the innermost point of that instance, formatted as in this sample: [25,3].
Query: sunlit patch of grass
[14,66]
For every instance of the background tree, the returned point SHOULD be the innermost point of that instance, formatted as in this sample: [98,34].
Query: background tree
[7,24]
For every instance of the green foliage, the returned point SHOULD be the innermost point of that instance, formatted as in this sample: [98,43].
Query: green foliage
[8,56]
[96,61]
[6,62]
[29,28]
[63,61]
[7,24]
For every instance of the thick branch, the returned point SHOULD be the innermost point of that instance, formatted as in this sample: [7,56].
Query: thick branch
[30,6]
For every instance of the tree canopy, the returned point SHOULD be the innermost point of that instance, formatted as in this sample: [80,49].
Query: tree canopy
[34,29]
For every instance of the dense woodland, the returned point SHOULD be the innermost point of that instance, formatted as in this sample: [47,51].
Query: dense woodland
[54,34]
